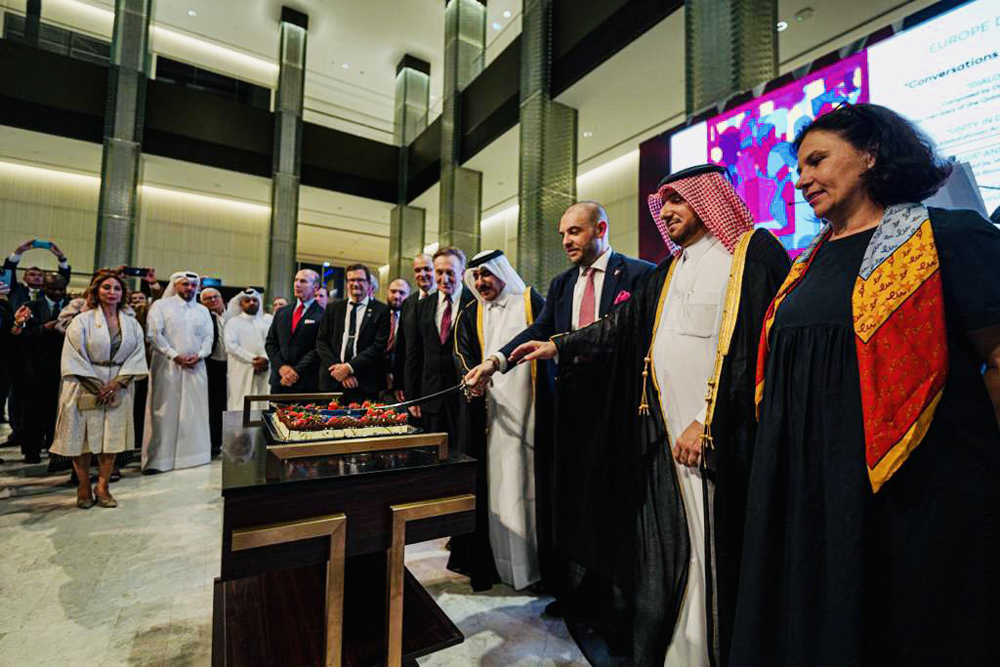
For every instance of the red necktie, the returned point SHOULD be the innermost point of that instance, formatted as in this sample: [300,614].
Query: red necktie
[392,330]
[446,320]
[297,315]
[587,307]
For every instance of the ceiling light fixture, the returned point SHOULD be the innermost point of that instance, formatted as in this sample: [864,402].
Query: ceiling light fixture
[192,12]
[588,134]
[804,14]
[345,66]
[506,14]
[496,26]
[782,26]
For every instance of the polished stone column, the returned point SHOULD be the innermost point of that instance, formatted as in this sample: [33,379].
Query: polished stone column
[123,123]
[281,261]
[461,188]
[548,153]
[731,46]
[407,223]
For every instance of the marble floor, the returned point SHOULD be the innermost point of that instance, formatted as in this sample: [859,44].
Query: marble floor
[133,585]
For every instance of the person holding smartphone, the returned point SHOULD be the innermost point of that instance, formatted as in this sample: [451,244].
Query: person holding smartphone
[31,289]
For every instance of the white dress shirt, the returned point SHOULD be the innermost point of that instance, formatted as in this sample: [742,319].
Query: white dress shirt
[455,296]
[600,266]
[362,307]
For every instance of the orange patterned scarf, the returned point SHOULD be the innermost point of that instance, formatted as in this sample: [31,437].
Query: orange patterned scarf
[900,334]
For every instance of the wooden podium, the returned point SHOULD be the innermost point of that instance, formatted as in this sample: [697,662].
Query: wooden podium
[312,551]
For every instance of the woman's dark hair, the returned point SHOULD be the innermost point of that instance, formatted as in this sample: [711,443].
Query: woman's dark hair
[907,167]
[101,275]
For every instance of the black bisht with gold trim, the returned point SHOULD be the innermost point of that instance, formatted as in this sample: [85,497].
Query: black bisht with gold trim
[621,521]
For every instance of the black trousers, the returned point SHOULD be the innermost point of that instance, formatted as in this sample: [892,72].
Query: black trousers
[139,410]
[4,392]
[38,402]
[216,400]
[444,420]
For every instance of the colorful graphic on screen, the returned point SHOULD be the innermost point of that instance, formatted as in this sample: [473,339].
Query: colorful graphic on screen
[754,142]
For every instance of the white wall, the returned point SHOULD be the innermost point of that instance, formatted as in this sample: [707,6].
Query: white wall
[41,203]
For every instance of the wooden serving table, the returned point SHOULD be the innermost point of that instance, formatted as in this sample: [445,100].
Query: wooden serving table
[312,549]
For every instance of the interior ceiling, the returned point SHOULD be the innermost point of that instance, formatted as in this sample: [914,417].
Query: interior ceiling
[341,32]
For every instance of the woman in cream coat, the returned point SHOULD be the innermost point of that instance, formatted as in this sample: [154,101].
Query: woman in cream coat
[103,353]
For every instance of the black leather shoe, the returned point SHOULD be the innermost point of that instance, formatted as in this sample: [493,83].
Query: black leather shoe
[33,458]
[554,609]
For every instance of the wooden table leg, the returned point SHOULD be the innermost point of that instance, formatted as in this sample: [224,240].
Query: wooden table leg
[332,525]
[401,514]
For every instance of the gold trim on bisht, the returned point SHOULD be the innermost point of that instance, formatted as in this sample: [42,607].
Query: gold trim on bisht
[730,311]
[647,362]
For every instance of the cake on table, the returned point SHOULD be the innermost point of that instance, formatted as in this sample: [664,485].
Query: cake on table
[333,421]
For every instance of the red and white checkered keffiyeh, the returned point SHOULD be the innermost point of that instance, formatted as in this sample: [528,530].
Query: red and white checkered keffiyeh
[715,201]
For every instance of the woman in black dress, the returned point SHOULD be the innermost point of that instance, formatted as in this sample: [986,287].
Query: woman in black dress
[873,521]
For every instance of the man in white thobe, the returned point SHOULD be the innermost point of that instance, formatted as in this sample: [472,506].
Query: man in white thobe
[246,333]
[504,307]
[683,359]
[180,331]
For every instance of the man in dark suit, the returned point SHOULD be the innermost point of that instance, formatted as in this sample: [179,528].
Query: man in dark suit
[291,340]
[430,359]
[423,278]
[39,345]
[216,365]
[352,339]
[20,294]
[396,295]
[599,280]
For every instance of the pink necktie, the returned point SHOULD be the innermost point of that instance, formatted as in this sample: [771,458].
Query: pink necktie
[587,305]
[446,321]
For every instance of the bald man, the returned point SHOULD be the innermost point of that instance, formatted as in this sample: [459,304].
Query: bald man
[291,339]
[599,280]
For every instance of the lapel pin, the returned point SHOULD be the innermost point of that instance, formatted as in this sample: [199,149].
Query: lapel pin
[617,271]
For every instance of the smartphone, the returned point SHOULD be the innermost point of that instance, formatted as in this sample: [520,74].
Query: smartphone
[6,277]
[44,245]
[211,282]
[136,271]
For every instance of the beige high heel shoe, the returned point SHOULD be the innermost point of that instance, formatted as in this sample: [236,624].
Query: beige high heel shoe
[85,503]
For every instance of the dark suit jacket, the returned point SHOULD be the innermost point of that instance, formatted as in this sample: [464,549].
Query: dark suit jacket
[406,324]
[41,348]
[623,274]
[297,350]
[19,294]
[372,333]
[430,365]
